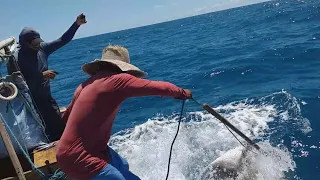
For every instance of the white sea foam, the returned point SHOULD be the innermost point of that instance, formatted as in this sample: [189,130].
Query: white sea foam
[271,163]
[202,139]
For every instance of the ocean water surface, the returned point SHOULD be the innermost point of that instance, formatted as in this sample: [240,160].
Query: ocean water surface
[257,65]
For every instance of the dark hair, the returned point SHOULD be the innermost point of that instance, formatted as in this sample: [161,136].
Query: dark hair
[105,66]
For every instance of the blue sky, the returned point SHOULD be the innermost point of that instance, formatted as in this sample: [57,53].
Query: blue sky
[52,18]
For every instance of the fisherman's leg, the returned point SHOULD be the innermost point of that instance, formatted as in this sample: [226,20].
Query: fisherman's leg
[55,106]
[53,121]
[109,173]
[129,175]
[117,161]
[121,164]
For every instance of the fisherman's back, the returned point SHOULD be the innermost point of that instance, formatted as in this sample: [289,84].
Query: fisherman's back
[82,151]
[82,146]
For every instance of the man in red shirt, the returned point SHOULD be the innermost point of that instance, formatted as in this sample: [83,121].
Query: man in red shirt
[82,151]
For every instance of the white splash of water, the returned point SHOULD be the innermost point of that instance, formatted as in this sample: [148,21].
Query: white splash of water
[200,141]
[216,73]
[270,165]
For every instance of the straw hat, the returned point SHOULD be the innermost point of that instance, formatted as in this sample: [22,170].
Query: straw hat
[115,55]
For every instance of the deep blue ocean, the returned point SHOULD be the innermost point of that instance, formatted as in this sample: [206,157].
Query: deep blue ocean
[258,65]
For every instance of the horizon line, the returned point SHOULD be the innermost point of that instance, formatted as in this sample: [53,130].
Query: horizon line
[156,23]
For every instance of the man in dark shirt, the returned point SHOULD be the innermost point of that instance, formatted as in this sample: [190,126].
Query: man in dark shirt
[32,58]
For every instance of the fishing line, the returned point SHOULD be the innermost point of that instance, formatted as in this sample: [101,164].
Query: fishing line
[175,138]
[224,125]
[235,137]
[222,119]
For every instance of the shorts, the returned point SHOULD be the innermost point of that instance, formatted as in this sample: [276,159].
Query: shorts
[117,169]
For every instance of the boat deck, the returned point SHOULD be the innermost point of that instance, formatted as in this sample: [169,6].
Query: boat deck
[44,159]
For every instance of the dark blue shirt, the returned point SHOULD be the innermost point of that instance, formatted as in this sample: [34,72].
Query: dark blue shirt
[32,63]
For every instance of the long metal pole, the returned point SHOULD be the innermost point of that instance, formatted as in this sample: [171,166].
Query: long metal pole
[227,123]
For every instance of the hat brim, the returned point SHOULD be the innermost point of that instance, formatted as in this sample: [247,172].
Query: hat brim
[92,67]
[36,41]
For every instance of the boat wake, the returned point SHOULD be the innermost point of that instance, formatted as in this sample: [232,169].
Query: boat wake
[203,139]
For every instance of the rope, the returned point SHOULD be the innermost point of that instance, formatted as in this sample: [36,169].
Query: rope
[25,146]
[235,137]
[34,114]
[37,115]
[23,151]
[32,99]
[57,175]
[175,138]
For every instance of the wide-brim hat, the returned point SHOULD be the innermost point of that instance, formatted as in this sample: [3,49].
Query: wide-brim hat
[117,56]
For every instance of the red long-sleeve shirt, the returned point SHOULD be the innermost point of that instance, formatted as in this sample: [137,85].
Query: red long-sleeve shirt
[81,151]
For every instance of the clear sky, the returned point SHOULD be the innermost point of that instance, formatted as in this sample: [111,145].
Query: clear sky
[52,18]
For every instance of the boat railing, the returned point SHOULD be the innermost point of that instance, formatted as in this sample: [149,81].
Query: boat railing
[7,48]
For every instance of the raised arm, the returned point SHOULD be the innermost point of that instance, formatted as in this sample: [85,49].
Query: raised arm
[131,86]
[50,47]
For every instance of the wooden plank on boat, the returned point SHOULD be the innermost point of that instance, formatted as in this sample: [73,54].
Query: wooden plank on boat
[11,151]
[32,175]
[29,175]
[7,169]
[44,159]
[45,156]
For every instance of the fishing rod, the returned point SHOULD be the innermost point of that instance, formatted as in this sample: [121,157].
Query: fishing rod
[226,122]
